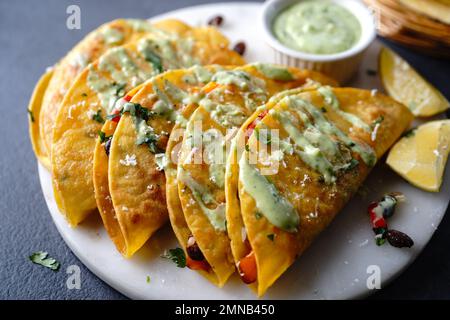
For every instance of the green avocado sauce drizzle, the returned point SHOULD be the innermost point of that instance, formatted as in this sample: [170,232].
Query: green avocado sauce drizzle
[315,145]
[203,197]
[331,99]
[274,72]
[277,209]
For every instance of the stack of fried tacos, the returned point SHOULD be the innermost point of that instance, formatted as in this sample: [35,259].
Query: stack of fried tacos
[153,122]
[131,196]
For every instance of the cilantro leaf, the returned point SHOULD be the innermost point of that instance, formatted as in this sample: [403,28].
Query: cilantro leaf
[42,258]
[119,89]
[98,117]
[176,255]
[103,137]
[30,113]
[154,59]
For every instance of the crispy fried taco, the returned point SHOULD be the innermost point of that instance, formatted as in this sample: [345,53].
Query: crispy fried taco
[303,159]
[227,101]
[94,94]
[54,84]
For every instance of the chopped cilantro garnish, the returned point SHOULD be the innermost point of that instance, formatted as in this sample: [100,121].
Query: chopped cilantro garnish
[84,95]
[150,138]
[98,117]
[258,215]
[103,137]
[380,241]
[176,255]
[148,279]
[155,60]
[30,113]
[271,236]
[352,164]
[42,258]
[247,147]
[139,111]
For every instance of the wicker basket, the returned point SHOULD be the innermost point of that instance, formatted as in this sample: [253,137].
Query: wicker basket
[410,28]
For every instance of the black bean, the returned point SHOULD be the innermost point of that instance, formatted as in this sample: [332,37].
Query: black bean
[216,21]
[193,250]
[107,146]
[398,239]
[239,48]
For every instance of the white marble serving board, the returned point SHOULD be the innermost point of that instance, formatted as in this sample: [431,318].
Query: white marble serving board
[336,265]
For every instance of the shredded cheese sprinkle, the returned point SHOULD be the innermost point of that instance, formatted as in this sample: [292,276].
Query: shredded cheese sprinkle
[129,160]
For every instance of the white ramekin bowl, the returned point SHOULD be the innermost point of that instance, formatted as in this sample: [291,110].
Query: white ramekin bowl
[341,66]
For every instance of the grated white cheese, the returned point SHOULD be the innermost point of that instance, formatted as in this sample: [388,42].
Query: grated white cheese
[129,160]
[243,234]
[373,135]
[69,116]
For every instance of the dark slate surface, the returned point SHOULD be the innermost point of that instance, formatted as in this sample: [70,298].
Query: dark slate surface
[33,36]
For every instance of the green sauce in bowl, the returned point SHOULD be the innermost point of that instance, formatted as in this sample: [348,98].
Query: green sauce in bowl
[317,27]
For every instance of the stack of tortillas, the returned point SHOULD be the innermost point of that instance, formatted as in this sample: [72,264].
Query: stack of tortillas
[423,25]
